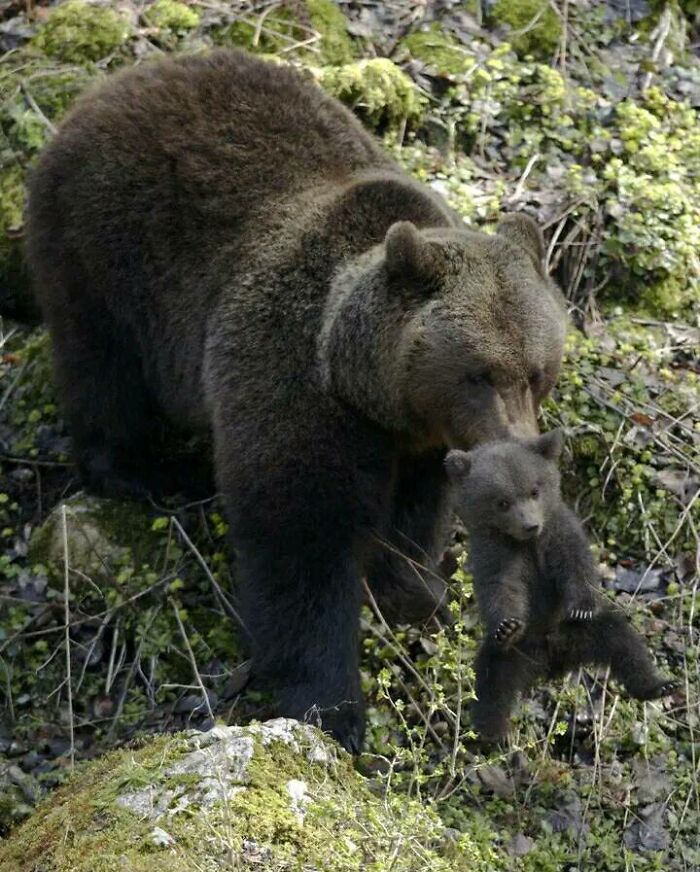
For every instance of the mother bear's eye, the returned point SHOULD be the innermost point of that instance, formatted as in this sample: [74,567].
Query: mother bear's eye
[536,378]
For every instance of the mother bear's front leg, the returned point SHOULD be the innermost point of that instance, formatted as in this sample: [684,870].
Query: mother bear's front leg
[302,523]
[405,573]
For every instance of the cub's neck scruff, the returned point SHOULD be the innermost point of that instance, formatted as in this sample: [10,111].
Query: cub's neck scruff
[510,487]
[403,335]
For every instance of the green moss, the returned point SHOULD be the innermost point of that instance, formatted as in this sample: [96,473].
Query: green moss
[11,215]
[83,827]
[535,26]
[78,32]
[172,15]
[33,397]
[637,170]
[376,89]
[329,21]
[434,47]
[36,91]
[651,192]
[288,30]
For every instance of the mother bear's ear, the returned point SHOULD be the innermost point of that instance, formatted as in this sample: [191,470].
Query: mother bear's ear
[522,231]
[410,259]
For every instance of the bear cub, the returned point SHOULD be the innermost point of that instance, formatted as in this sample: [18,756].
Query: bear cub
[536,582]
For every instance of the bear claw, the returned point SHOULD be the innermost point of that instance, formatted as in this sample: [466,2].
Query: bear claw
[664,688]
[507,630]
[581,614]
[667,688]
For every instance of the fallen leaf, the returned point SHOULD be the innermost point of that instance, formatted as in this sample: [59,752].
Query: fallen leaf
[641,419]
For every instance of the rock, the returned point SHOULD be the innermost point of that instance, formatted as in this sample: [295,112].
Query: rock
[651,780]
[568,815]
[647,833]
[161,839]
[267,796]
[636,580]
[100,534]
[520,845]
[495,780]
[19,792]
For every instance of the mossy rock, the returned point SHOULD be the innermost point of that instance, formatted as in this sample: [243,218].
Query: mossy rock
[292,27]
[79,32]
[535,28]
[19,793]
[278,796]
[101,535]
[172,15]
[439,50]
[377,89]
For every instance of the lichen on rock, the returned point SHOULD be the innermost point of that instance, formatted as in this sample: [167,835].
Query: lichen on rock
[278,795]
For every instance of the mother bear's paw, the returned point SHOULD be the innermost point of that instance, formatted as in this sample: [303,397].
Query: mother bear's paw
[343,717]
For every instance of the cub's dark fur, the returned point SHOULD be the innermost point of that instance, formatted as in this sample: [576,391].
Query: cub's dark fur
[536,582]
[218,246]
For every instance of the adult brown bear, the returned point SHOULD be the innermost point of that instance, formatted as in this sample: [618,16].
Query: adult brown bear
[218,246]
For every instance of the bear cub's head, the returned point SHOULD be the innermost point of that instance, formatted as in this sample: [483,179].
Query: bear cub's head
[511,486]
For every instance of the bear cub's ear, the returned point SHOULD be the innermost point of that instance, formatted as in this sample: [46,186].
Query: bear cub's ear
[458,464]
[409,257]
[550,445]
[522,231]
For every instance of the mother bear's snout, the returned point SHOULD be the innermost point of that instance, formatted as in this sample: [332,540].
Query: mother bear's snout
[509,412]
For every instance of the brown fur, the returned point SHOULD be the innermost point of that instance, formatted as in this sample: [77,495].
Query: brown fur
[220,247]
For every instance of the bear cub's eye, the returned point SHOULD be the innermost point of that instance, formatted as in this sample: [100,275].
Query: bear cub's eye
[535,492]
[504,505]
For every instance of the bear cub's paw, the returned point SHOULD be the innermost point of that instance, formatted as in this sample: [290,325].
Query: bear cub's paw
[582,606]
[664,687]
[508,632]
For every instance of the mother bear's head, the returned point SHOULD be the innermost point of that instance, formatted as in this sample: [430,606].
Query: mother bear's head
[445,335]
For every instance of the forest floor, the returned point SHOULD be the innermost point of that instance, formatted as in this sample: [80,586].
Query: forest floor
[584,115]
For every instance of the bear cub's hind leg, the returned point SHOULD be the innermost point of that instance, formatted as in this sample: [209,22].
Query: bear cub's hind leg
[610,640]
[501,677]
